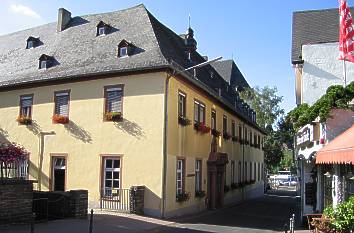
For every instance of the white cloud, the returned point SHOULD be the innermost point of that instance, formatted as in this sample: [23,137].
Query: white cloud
[24,10]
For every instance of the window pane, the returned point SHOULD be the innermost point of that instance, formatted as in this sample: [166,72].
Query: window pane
[196,112]
[108,163]
[108,183]
[202,114]
[116,163]
[62,104]
[114,100]
[116,184]
[108,175]
[115,175]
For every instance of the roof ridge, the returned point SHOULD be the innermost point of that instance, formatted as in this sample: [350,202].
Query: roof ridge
[87,15]
[319,10]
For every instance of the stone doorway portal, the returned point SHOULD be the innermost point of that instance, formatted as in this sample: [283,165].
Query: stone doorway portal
[216,176]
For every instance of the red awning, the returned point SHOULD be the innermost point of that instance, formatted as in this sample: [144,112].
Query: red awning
[339,151]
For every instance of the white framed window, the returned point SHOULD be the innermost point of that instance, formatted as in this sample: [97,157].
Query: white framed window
[123,51]
[61,99]
[113,97]
[111,176]
[101,31]
[30,44]
[181,104]
[180,176]
[26,102]
[199,112]
[213,119]
[43,64]
[198,175]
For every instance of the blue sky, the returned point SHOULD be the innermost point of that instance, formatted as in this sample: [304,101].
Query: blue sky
[257,34]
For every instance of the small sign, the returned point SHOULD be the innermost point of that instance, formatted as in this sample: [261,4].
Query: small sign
[190,175]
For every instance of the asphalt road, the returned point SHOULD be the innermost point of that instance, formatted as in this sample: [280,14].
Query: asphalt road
[267,214]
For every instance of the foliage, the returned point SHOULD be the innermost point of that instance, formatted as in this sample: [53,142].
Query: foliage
[234,138]
[215,132]
[226,135]
[25,120]
[113,116]
[273,150]
[183,121]
[336,96]
[265,102]
[200,194]
[11,154]
[60,119]
[342,217]
[201,127]
[182,197]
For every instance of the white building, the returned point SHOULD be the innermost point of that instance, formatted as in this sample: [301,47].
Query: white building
[315,55]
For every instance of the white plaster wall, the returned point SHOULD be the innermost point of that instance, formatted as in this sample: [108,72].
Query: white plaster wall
[321,70]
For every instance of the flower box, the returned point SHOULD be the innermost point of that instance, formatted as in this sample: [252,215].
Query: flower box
[226,135]
[234,138]
[215,133]
[113,116]
[183,121]
[182,197]
[201,127]
[200,194]
[24,120]
[59,119]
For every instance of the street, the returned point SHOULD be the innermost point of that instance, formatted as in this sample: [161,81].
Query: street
[267,214]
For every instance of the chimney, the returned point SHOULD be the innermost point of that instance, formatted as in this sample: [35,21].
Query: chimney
[64,18]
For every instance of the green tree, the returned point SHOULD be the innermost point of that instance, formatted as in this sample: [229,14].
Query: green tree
[266,104]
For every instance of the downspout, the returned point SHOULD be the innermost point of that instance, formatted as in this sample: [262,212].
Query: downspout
[164,158]
[243,163]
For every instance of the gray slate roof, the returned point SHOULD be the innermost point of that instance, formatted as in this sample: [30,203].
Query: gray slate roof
[231,73]
[79,53]
[314,27]
[78,50]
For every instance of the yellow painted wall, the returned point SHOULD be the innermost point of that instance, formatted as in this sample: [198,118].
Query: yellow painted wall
[187,143]
[139,138]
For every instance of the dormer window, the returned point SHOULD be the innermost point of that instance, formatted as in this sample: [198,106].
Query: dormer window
[125,48]
[102,28]
[32,42]
[123,51]
[45,62]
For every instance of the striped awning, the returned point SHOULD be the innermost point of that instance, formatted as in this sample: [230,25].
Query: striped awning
[339,151]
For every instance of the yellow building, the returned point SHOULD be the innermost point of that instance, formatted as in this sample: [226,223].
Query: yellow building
[103,103]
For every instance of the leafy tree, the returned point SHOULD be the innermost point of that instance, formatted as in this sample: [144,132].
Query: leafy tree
[266,104]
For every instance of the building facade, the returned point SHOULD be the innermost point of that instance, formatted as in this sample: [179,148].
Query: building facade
[102,102]
[315,52]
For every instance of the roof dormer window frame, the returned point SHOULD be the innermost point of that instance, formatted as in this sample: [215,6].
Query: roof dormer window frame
[32,42]
[45,62]
[125,49]
[102,29]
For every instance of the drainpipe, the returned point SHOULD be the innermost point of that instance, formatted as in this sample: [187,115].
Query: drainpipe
[164,158]
[243,162]
[41,138]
